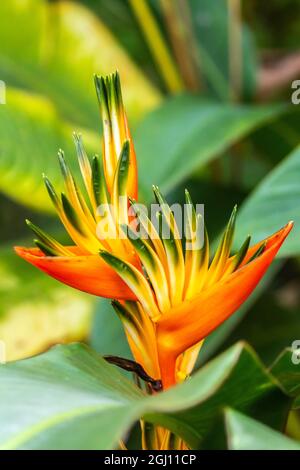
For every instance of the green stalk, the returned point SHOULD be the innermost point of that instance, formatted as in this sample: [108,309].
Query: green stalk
[157,45]
[235,48]
[178,23]
[235,74]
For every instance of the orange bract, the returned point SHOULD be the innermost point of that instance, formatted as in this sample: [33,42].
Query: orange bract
[195,319]
[87,273]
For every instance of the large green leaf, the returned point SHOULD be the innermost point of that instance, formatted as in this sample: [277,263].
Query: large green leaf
[45,49]
[55,48]
[31,132]
[71,398]
[275,201]
[187,132]
[244,433]
[37,311]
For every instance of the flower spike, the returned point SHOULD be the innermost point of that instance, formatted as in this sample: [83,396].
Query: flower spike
[115,129]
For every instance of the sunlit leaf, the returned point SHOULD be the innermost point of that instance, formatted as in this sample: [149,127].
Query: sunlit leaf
[71,398]
[31,132]
[57,49]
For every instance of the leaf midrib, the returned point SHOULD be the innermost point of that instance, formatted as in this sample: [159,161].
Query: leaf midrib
[57,419]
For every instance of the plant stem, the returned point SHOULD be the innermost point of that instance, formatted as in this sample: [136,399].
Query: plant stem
[235,48]
[235,74]
[178,22]
[157,45]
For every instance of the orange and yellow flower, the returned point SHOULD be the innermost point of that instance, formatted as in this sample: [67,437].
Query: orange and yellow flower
[169,295]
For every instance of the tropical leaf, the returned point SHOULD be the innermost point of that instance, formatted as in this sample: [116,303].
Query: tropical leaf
[58,48]
[187,132]
[244,433]
[82,402]
[272,204]
[52,55]
[31,132]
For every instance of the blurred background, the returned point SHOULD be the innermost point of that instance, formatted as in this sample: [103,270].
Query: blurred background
[207,86]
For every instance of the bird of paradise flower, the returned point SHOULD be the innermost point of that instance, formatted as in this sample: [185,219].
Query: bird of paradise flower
[169,296]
